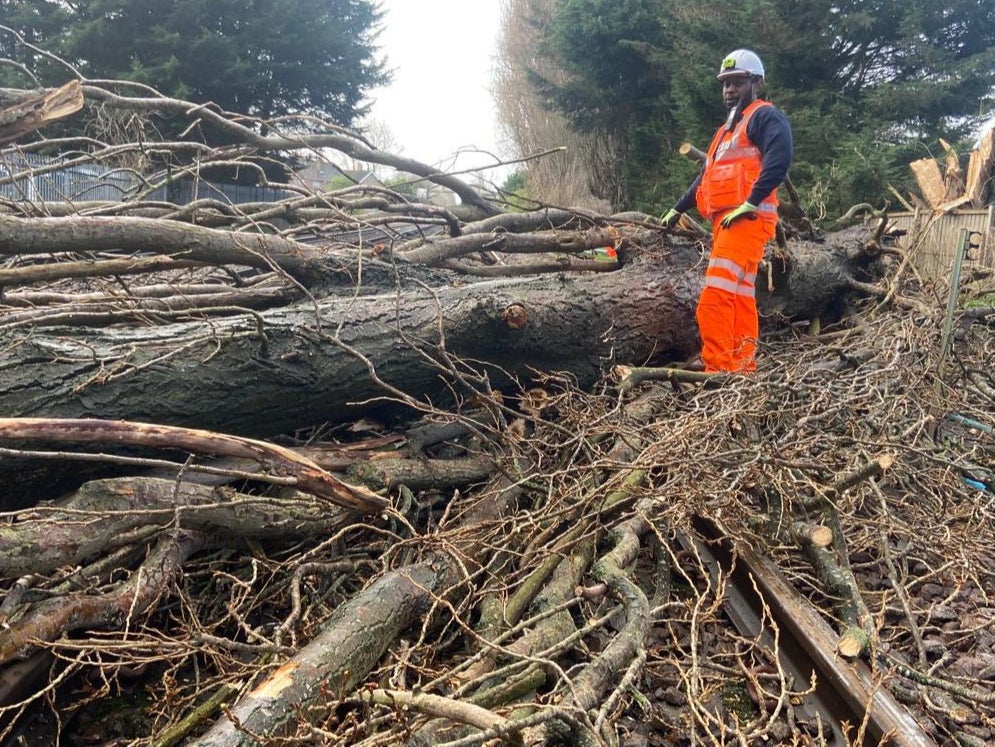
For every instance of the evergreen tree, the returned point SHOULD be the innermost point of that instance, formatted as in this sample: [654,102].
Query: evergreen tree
[24,25]
[260,57]
[871,85]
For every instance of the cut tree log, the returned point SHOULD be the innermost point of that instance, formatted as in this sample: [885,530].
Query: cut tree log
[812,534]
[332,664]
[393,353]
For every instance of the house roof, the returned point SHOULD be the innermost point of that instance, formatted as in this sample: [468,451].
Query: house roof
[324,171]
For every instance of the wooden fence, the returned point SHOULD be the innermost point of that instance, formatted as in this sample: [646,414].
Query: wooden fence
[932,239]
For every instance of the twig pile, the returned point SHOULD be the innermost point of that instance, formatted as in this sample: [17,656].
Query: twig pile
[570,601]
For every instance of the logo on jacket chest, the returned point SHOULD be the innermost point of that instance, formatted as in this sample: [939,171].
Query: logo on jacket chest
[724,147]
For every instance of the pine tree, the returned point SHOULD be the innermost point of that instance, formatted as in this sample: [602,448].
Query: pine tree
[260,57]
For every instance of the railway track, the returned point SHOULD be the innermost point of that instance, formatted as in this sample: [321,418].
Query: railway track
[845,691]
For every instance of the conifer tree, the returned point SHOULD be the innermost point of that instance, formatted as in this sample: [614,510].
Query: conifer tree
[868,84]
[260,57]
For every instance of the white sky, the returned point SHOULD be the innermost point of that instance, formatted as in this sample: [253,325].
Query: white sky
[439,103]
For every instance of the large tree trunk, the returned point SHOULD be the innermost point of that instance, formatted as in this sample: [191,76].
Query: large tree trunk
[430,342]
[326,360]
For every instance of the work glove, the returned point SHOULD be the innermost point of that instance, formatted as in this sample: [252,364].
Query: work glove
[671,218]
[746,209]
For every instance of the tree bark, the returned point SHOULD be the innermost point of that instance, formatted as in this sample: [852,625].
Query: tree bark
[178,240]
[352,642]
[501,579]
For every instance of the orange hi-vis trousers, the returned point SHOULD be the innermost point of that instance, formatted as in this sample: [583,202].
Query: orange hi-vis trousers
[727,308]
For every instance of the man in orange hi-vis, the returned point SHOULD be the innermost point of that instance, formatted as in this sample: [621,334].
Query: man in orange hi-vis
[737,191]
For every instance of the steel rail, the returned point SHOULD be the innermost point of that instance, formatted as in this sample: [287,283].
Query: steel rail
[845,691]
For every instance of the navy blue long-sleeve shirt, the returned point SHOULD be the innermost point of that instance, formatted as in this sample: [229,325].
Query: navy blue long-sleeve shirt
[770,131]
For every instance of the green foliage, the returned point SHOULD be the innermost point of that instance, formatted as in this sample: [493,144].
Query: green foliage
[33,23]
[515,182]
[861,171]
[612,57]
[914,68]
[258,57]
[612,52]
[864,82]
[404,184]
[515,192]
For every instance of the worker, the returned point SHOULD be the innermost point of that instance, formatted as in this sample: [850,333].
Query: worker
[737,191]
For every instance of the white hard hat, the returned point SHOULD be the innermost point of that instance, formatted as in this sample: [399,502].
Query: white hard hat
[741,62]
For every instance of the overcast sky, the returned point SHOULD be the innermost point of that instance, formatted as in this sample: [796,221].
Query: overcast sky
[441,52]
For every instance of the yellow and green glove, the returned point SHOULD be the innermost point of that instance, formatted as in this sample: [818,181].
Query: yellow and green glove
[746,209]
[671,218]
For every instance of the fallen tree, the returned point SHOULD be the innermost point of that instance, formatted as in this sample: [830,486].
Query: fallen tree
[266,371]
[526,568]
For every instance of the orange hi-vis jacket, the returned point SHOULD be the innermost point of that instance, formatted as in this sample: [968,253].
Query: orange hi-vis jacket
[732,166]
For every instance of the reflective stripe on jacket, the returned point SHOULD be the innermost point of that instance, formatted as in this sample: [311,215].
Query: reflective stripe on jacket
[732,166]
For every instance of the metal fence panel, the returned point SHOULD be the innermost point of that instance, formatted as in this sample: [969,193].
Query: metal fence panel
[186,191]
[72,184]
[26,177]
